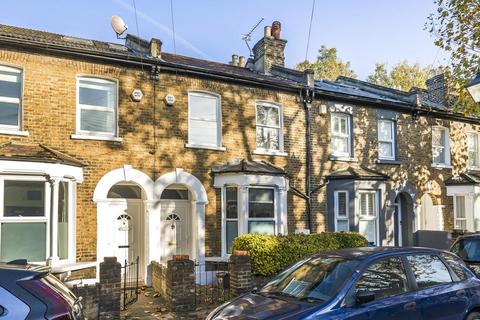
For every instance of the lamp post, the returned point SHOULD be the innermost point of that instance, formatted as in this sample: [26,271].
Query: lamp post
[474,88]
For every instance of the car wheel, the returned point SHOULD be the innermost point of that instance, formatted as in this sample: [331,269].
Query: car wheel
[473,316]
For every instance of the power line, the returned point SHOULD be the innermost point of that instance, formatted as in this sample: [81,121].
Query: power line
[173,27]
[136,18]
[310,29]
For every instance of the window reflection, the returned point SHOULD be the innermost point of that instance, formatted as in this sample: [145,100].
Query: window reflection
[429,270]
[385,278]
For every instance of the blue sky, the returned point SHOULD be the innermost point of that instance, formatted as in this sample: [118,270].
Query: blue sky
[364,32]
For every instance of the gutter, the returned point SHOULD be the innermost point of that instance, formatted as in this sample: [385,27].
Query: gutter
[146,62]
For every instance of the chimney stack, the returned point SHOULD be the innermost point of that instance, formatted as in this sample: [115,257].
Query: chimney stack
[437,89]
[156,48]
[270,50]
[241,61]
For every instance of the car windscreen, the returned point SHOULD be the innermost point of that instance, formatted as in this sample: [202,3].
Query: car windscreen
[317,278]
[468,249]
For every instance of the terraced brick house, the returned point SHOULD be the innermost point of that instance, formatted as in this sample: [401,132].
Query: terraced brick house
[124,150]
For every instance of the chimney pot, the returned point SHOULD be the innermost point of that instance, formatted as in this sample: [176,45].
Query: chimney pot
[241,61]
[267,31]
[234,60]
[276,29]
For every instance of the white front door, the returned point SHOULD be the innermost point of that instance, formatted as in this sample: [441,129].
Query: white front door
[127,218]
[175,215]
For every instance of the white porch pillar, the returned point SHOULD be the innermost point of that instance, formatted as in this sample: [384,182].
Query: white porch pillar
[282,211]
[200,230]
[153,227]
[53,259]
[243,210]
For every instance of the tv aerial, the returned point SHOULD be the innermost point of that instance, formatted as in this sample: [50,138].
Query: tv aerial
[118,25]
[248,36]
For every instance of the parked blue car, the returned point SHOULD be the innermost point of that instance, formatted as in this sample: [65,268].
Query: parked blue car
[365,283]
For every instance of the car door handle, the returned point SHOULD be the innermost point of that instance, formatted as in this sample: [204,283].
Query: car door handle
[410,305]
[461,293]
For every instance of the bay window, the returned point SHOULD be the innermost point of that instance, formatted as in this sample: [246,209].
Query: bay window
[269,132]
[261,211]
[231,216]
[460,218]
[204,120]
[26,219]
[341,135]
[386,139]
[341,211]
[368,215]
[440,146]
[97,107]
[10,98]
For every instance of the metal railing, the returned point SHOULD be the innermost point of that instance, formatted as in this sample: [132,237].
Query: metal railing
[129,288]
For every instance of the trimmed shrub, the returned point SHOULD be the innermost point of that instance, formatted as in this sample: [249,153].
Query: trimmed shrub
[272,254]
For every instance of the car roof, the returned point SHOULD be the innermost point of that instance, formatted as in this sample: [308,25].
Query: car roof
[470,235]
[363,253]
[24,267]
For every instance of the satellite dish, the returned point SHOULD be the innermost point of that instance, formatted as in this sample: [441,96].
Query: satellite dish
[118,25]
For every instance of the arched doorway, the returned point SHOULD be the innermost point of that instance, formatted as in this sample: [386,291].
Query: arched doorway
[404,220]
[177,220]
[429,219]
[127,215]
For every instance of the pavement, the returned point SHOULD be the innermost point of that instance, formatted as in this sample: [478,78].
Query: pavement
[150,306]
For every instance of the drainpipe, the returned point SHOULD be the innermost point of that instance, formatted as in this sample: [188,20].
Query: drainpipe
[307,95]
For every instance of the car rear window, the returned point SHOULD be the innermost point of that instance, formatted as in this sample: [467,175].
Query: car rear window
[468,249]
[457,266]
[429,270]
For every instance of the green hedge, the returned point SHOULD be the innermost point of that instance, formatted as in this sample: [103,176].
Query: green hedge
[272,254]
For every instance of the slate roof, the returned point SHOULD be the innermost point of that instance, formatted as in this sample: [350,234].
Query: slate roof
[357,173]
[465,178]
[248,166]
[36,153]
[47,39]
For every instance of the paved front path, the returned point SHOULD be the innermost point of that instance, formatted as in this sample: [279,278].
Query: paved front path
[151,307]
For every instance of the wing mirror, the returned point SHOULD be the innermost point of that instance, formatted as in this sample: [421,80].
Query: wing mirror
[362,297]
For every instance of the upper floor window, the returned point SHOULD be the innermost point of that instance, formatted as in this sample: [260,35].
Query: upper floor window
[204,120]
[386,139]
[440,146]
[10,98]
[97,106]
[269,127]
[472,149]
[341,134]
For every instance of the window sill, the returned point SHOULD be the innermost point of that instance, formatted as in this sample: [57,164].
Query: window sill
[98,138]
[342,158]
[198,146]
[270,153]
[441,166]
[14,132]
[388,162]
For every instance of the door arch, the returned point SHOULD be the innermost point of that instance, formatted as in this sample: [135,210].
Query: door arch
[404,220]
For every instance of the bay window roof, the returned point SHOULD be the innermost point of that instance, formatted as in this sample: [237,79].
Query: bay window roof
[248,166]
[470,177]
[36,153]
[357,173]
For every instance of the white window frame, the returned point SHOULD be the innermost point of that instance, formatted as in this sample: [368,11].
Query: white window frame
[89,134]
[336,209]
[224,214]
[47,218]
[260,150]
[455,210]
[4,128]
[347,135]
[446,148]
[392,141]
[375,218]
[218,144]
[247,211]
[475,135]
